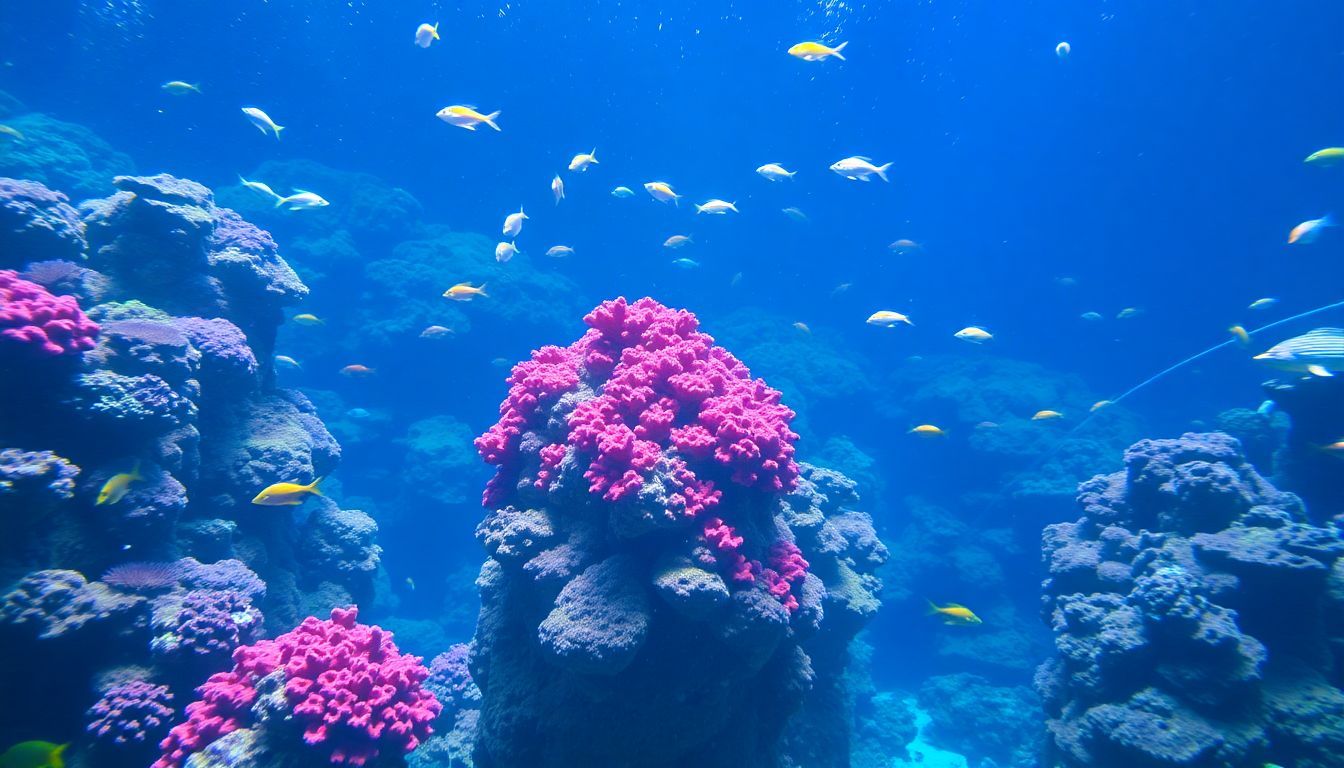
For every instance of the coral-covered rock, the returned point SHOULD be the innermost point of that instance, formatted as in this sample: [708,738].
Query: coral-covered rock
[37,224]
[340,686]
[647,515]
[29,476]
[56,603]
[61,155]
[67,278]
[35,324]
[1186,605]
[339,545]
[202,627]
[987,723]
[450,681]
[131,714]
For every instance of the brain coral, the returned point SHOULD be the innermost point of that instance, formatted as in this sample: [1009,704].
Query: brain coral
[34,323]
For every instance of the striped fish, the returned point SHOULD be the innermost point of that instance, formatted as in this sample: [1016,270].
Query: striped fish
[1319,353]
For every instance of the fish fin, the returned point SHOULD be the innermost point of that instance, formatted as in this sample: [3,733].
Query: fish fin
[592,156]
[279,201]
[57,757]
[933,607]
[865,178]
[278,129]
[1319,370]
[135,471]
[882,171]
[472,126]
[676,201]
[490,119]
[864,159]
[436,30]
[837,49]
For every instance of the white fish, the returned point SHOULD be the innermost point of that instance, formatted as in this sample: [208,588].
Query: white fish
[886,318]
[795,214]
[1091,317]
[180,88]
[513,223]
[263,121]
[677,241]
[285,361]
[581,162]
[974,335]
[467,117]
[716,206]
[425,34]
[559,251]
[662,192]
[558,188]
[775,172]
[1263,303]
[260,188]
[860,168]
[1310,230]
[622,192]
[1063,50]
[504,252]
[300,201]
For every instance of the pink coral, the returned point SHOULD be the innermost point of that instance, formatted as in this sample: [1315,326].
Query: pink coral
[663,391]
[36,322]
[349,688]
[786,566]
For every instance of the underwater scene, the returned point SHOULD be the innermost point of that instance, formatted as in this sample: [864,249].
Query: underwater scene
[671,384]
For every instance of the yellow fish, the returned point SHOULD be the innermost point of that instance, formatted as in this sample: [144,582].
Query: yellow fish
[307,319]
[811,51]
[117,486]
[465,292]
[14,132]
[467,117]
[1308,231]
[887,318]
[927,430]
[1241,335]
[954,614]
[34,754]
[287,494]
[1097,406]
[1046,415]
[974,335]
[1326,157]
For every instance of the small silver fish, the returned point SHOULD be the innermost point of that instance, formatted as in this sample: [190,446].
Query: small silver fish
[263,121]
[301,201]
[684,263]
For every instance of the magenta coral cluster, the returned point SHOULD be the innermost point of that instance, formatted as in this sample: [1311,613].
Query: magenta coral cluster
[664,399]
[346,685]
[36,322]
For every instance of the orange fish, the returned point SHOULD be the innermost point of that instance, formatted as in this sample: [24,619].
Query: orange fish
[357,371]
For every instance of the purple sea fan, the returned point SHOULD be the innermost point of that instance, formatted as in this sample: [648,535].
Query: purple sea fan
[131,714]
[143,576]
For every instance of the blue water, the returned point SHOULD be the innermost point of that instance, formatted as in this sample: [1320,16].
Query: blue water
[1159,166]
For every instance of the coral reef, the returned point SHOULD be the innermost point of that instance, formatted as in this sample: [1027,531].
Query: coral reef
[61,155]
[647,514]
[990,725]
[339,687]
[36,324]
[131,715]
[1193,607]
[37,223]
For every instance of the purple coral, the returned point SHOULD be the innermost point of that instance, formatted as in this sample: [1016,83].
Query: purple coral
[56,603]
[204,625]
[131,714]
[22,471]
[143,576]
[37,223]
[450,680]
[34,323]
[221,575]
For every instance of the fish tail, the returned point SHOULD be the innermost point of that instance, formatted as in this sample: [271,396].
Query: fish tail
[882,171]
[135,471]
[278,129]
[482,292]
[57,758]
[312,487]
[933,607]
[491,118]
[436,30]
[592,156]
[837,49]
[699,208]
[1328,220]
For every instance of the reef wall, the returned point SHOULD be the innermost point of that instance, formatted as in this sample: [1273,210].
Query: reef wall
[138,419]
[665,584]
[1197,617]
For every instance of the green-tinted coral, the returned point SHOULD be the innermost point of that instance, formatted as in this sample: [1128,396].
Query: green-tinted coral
[66,157]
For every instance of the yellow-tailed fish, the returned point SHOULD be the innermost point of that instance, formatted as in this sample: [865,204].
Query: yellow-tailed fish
[308,319]
[286,494]
[467,117]
[1046,415]
[716,206]
[662,192]
[1097,406]
[34,754]
[263,121]
[811,51]
[1336,448]
[288,362]
[953,613]
[775,172]
[465,292]
[425,34]
[1240,334]
[926,430]
[581,161]
[1326,157]
[117,486]
[1263,303]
